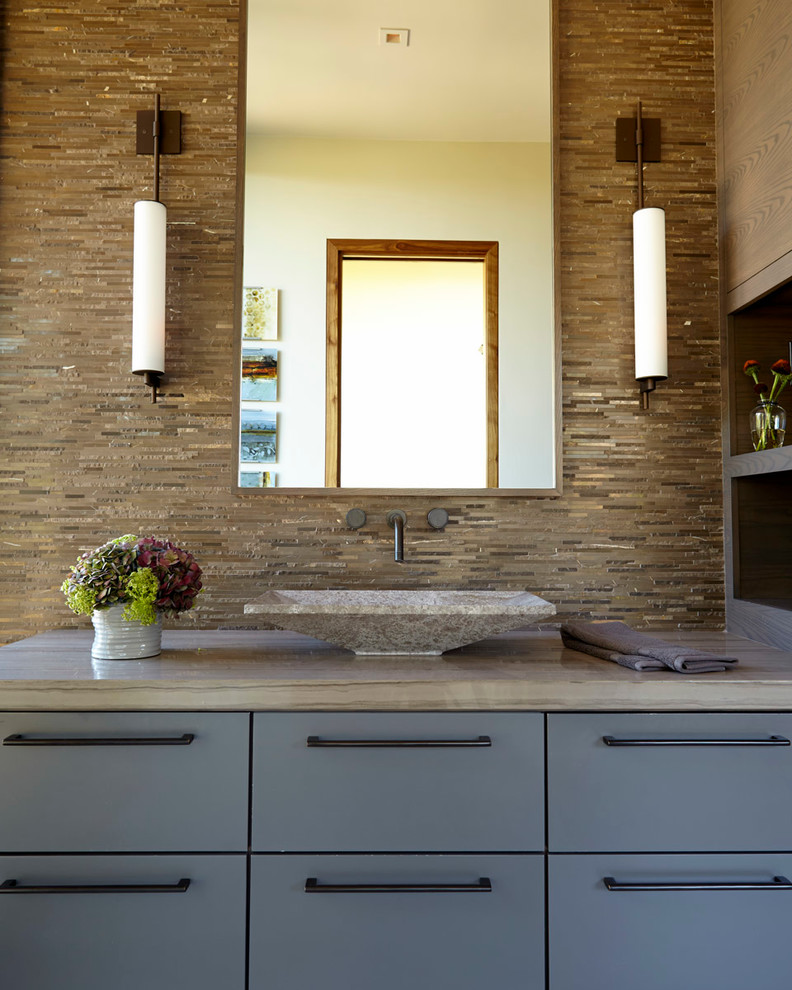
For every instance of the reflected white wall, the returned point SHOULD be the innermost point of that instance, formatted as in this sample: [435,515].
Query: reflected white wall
[300,192]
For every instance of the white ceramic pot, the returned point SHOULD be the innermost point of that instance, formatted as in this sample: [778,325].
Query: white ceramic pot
[117,639]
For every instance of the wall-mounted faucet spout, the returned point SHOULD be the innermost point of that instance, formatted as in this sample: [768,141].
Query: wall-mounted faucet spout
[398,520]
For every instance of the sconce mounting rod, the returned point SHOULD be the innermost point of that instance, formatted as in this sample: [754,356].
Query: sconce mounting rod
[170,131]
[158,133]
[638,140]
[638,154]
[155,133]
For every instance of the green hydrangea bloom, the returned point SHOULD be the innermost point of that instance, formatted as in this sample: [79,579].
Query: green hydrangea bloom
[141,590]
[80,599]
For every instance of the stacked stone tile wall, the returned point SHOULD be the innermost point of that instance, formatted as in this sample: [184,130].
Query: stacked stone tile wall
[637,533]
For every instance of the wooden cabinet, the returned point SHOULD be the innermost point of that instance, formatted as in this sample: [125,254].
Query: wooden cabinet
[396,850]
[754,63]
[145,787]
[398,781]
[669,782]
[124,782]
[123,922]
[755,92]
[406,783]
[757,484]
[663,922]
[428,922]
[628,794]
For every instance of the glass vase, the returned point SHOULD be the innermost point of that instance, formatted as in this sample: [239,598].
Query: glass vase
[768,424]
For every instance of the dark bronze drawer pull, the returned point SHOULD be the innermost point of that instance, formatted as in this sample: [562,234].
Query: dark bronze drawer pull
[399,743]
[312,886]
[770,741]
[777,883]
[20,740]
[12,887]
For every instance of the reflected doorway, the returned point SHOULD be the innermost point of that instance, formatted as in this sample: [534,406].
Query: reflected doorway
[412,364]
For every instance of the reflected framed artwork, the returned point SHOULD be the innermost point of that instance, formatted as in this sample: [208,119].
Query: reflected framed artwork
[257,479]
[259,313]
[259,374]
[258,437]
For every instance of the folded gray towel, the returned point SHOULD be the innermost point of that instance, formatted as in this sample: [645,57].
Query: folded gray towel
[616,641]
[626,660]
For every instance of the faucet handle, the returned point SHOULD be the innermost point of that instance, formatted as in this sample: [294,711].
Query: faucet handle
[355,518]
[437,518]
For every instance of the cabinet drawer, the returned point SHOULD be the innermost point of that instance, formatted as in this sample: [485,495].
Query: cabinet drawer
[658,938]
[394,938]
[123,782]
[94,939]
[669,782]
[398,782]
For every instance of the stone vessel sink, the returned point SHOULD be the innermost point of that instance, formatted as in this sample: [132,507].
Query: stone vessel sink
[399,622]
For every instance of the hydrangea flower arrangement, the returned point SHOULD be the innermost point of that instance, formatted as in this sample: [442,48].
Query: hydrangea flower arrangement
[145,574]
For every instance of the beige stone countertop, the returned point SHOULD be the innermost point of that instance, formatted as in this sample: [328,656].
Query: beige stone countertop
[249,670]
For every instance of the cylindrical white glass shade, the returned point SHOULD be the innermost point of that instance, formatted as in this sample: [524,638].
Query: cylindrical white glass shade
[649,283]
[148,287]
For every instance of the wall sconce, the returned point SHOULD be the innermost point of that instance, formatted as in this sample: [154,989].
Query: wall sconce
[638,140]
[158,133]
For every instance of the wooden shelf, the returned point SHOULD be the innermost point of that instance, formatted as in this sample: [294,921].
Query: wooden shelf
[783,604]
[761,332]
[759,285]
[759,622]
[759,462]
[761,501]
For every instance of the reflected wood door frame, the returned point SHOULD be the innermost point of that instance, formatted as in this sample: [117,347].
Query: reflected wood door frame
[337,251]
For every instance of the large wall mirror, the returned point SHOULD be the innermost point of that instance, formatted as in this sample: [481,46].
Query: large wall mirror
[397,322]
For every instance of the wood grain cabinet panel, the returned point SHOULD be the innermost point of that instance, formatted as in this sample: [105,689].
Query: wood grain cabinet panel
[755,71]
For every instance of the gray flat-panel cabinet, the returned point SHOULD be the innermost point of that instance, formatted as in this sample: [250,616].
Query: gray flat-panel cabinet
[155,933]
[397,922]
[662,938]
[398,781]
[395,850]
[669,782]
[121,782]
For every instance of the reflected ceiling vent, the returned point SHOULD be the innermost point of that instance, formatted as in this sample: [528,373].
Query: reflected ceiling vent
[394,37]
